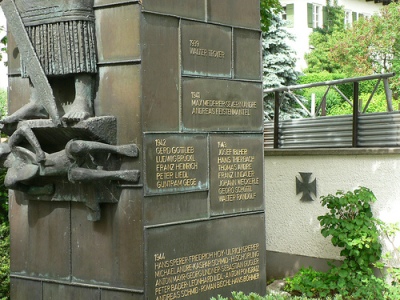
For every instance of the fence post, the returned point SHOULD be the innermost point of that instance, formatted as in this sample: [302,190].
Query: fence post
[313,105]
[388,93]
[276,121]
[355,113]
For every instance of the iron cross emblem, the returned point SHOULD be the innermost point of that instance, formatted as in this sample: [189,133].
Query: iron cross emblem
[306,187]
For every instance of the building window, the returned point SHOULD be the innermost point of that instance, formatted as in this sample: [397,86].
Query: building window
[288,15]
[354,16]
[314,15]
[317,16]
[348,18]
[284,14]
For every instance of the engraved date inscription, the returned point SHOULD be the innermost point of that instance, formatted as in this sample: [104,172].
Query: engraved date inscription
[196,50]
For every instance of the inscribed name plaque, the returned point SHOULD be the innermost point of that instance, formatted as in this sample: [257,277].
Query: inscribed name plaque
[221,105]
[206,49]
[236,172]
[175,163]
[204,259]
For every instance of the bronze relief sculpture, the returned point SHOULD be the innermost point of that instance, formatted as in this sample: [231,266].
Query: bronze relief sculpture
[62,34]
[53,145]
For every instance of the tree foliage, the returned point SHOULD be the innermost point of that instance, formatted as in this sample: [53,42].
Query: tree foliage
[318,59]
[371,45]
[279,61]
[3,43]
[268,8]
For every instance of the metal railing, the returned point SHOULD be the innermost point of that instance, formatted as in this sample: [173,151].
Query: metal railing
[356,130]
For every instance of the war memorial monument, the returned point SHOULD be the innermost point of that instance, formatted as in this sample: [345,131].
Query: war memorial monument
[135,150]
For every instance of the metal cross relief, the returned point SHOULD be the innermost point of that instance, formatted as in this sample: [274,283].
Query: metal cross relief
[306,187]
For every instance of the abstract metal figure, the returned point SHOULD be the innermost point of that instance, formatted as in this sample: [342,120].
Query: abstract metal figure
[25,165]
[35,172]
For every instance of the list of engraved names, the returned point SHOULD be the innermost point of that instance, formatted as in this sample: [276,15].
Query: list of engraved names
[236,175]
[191,275]
[174,165]
[221,107]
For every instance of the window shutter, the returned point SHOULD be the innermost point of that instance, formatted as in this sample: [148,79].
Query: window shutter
[354,16]
[310,15]
[290,15]
[325,21]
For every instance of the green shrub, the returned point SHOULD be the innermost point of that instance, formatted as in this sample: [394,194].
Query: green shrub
[377,104]
[346,89]
[335,104]
[4,240]
[3,103]
[253,296]
[4,261]
[352,227]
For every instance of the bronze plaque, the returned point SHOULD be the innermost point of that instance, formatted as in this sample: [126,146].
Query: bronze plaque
[21,289]
[193,9]
[41,241]
[204,259]
[206,49]
[236,173]
[221,105]
[67,292]
[160,70]
[175,163]
[102,250]
[235,12]
[247,66]
[162,209]
[117,33]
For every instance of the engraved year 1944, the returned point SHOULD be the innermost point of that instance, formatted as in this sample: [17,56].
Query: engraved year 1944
[159,256]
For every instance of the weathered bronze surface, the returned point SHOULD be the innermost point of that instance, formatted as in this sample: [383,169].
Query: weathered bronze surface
[18,89]
[116,295]
[48,225]
[162,209]
[14,64]
[235,12]
[25,289]
[120,96]
[199,260]
[161,101]
[193,9]
[206,49]
[175,163]
[247,54]
[118,33]
[236,173]
[221,105]
[65,292]
[118,235]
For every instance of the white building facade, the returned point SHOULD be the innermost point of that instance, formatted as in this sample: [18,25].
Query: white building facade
[305,15]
